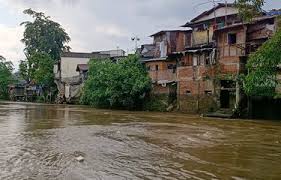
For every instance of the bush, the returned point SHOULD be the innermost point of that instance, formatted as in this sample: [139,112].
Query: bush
[6,77]
[116,85]
[157,103]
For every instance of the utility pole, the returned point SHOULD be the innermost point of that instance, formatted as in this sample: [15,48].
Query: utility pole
[136,39]
[226,6]
[215,14]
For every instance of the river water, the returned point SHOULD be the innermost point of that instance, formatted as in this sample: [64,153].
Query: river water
[43,141]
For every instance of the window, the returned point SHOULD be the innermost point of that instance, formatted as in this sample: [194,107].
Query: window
[208,92]
[232,38]
[156,67]
[148,68]
[170,66]
[195,60]
[188,92]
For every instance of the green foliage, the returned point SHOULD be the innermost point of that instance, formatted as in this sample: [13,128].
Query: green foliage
[41,71]
[6,77]
[248,9]
[262,66]
[44,42]
[157,103]
[24,70]
[116,85]
[44,35]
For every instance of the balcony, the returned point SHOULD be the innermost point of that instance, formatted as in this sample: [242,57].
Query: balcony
[163,75]
[231,50]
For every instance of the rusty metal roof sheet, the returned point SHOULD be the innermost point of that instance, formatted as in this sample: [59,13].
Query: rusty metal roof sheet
[82,67]
[207,13]
[84,55]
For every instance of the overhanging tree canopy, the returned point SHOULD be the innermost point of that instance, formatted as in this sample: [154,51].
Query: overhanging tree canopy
[44,41]
[263,68]
[248,9]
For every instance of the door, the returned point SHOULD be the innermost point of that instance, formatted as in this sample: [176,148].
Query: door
[225,99]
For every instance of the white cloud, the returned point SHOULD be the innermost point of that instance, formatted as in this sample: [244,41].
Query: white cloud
[10,46]
[102,24]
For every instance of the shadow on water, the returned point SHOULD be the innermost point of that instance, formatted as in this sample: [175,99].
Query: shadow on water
[266,108]
[42,141]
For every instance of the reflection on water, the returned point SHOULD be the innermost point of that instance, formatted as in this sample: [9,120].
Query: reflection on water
[41,142]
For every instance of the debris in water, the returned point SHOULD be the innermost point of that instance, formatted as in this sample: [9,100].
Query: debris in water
[80,158]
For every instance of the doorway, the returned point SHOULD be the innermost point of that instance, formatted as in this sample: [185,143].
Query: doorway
[225,99]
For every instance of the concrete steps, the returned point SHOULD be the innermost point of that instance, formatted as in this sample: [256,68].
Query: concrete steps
[221,113]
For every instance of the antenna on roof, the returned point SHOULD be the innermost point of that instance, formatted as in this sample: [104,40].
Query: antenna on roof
[135,39]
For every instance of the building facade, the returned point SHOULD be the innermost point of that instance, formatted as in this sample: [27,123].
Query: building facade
[68,71]
[160,60]
[208,59]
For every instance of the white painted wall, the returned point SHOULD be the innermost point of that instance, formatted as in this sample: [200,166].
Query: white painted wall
[69,65]
[219,13]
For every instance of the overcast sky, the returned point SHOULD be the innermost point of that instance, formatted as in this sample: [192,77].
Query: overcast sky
[100,24]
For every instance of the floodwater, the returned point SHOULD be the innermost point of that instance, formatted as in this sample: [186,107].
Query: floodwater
[43,141]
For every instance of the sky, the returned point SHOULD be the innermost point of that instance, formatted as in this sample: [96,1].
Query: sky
[95,25]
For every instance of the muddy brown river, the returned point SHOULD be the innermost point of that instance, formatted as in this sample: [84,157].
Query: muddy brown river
[43,142]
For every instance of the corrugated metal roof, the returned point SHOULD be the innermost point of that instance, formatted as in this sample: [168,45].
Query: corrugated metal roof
[274,12]
[155,59]
[164,31]
[255,20]
[207,13]
[82,67]
[84,55]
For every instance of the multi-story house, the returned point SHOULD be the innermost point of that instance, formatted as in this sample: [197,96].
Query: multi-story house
[160,60]
[209,69]
[70,71]
[196,86]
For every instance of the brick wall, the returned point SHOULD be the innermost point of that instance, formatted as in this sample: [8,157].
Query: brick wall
[163,73]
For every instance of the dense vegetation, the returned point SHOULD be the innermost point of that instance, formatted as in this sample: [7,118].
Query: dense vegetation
[44,42]
[116,85]
[262,65]
[6,77]
[263,68]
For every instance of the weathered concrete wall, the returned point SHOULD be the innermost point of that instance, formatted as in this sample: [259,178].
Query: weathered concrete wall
[69,65]
[197,104]
[200,37]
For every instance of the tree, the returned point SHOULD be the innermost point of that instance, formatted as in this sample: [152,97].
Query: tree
[248,9]
[43,70]
[44,41]
[24,70]
[6,77]
[116,85]
[44,36]
[263,68]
